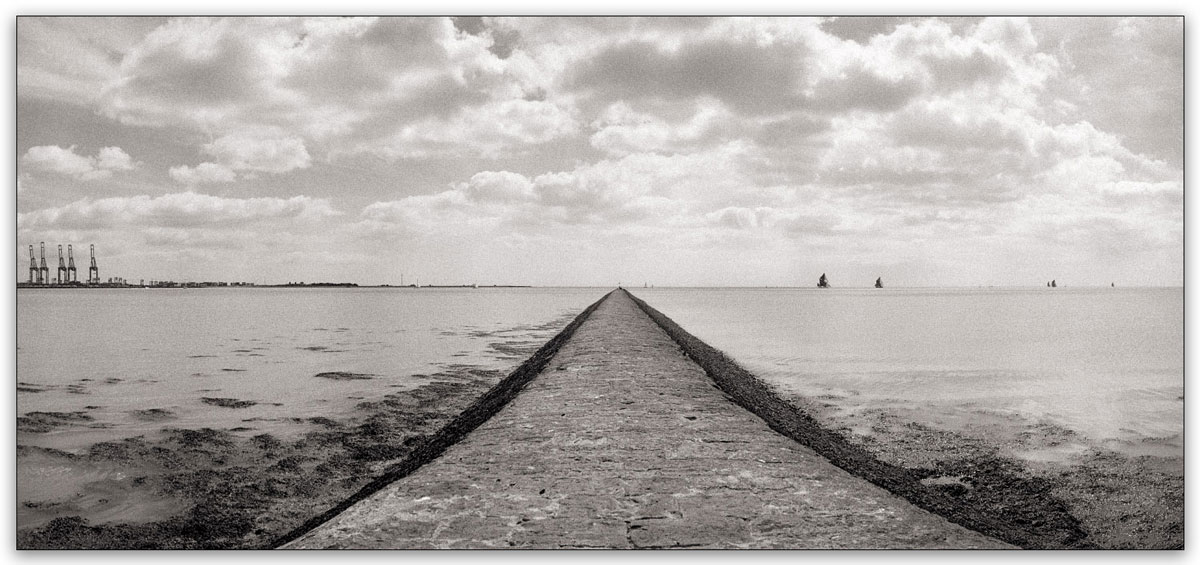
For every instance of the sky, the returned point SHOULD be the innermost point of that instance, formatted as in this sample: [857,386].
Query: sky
[593,151]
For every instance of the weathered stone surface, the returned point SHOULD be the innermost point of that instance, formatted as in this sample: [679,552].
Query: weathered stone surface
[624,442]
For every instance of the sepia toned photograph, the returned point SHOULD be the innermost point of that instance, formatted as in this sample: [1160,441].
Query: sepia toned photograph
[603,282]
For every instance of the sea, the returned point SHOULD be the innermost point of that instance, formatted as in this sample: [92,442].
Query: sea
[1104,363]
[113,354]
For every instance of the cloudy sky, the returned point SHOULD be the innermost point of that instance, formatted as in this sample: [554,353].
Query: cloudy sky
[678,151]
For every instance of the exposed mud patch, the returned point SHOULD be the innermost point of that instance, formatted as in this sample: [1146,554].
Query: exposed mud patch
[344,376]
[515,348]
[227,402]
[42,422]
[153,414]
[243,492]
[29,387]
[321,349]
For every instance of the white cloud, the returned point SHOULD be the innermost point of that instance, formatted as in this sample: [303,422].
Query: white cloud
[181,209]
[71,58]
[397,87]
[621,130]
[494,130]
[790,221]
[255,153]
[501,186]
[638,191]
[962,137]
[53,158]
[56,159]
[202,173]
[113,159]
[735,217]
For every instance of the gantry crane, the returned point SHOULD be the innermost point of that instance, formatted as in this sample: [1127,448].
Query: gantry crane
[34,274]
[72,274]
[93,272]
[43,270]
[62,266]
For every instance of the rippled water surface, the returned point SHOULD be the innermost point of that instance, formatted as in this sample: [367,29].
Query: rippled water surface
[135,360]
[1106,363]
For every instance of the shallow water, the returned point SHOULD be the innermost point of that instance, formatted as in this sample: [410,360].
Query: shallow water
[119,363]
[115,354]
[1104,363]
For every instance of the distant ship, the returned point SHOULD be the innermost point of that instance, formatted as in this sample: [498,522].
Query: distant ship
[823,283]
[879,282]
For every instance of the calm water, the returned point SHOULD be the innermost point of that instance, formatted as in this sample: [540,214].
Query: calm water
[1106,363]
[110,353]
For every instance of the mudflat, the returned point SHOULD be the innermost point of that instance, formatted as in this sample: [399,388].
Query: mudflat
[623,442]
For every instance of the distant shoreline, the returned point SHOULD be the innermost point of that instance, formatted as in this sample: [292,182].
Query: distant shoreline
[190,286]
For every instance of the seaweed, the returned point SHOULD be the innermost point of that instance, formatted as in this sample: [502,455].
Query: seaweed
[227,402]
[42,422]
[344,376]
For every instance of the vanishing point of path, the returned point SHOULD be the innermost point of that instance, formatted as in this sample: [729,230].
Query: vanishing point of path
[623,442]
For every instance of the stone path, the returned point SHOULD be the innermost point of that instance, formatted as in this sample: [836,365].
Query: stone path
[623,442]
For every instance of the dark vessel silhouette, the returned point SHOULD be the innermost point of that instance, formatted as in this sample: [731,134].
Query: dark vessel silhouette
[823,283]
[879,282]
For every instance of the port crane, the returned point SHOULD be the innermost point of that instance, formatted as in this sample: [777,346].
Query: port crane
[62,267]
[43,270]
[34,273]
[72,274]
[93,272]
